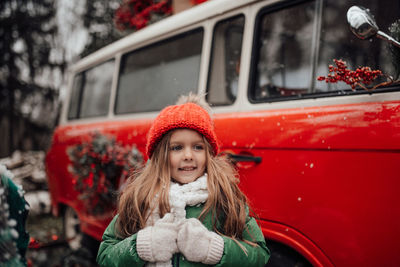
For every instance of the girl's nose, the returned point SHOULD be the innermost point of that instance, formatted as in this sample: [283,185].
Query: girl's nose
[188,154]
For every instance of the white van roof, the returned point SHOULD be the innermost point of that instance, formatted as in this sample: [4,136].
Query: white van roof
[193,15]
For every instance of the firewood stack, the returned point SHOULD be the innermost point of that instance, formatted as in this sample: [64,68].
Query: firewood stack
[29,172]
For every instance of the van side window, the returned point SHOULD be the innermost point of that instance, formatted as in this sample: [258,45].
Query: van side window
[296,44]
[154,76]
[91,92]
[283,50]
[73,109]
[336,42]
[225,61]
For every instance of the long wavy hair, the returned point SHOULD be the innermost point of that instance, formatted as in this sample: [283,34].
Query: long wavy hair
[225,200]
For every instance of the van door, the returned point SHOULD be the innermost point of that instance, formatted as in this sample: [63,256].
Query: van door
[318,161]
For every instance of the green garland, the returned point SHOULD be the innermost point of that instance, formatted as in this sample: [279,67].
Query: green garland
[9,255]
[99,167]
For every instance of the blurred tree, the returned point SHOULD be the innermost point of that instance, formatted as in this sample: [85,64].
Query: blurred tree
[27,31]
[98,20]
[38,39]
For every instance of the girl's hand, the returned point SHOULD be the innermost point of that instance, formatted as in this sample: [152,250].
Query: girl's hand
[158,243]
[198,244]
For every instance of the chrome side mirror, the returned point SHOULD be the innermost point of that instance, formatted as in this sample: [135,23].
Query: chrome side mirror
[363,25]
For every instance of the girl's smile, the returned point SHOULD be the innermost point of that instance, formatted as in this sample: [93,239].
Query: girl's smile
[187,155]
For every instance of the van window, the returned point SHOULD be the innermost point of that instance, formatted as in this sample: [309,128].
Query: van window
[287,62]
[73,110]
[154,76]
[225,61]
[283,49]
[336,43]
[91,92]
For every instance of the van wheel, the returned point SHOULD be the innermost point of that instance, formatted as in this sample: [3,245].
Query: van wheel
[284,256]
[72,230]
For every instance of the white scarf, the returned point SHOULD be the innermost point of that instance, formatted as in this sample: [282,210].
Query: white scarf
[180,196]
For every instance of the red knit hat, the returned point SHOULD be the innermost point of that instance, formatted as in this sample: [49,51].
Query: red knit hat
[189,116]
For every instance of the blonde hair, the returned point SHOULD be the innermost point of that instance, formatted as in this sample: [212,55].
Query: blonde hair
[136,201]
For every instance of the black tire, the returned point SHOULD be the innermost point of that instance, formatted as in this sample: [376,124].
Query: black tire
[91,245]
[85,256]
[284,256]
[83,247]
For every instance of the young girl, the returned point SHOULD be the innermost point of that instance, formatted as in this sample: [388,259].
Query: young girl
[185,207]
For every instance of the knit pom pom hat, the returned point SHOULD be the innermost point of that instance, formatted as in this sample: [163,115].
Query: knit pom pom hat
[186,116]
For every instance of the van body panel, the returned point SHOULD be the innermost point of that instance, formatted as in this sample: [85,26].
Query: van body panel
[132,132]
[298,148]
[361,126]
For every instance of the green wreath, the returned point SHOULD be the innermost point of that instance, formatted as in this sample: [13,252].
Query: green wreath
[99,167]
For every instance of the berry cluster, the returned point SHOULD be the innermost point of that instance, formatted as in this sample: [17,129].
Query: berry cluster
[136,14]
[362,75]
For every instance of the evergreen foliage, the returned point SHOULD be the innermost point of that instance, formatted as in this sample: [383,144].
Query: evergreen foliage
[9,254]
[98,19]
[100,166]
[33,62]
[27,30]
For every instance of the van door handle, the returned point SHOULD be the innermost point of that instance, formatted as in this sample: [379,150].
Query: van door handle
[241,158]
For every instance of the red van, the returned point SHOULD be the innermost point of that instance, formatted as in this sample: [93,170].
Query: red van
[319,162]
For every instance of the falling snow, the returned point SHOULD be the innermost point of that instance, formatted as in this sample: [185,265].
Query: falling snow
[12,223]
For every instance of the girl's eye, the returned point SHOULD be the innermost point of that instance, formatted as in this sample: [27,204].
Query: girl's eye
[176,148]
[198,147]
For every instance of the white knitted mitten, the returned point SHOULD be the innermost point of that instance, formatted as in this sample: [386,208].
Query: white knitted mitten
[198,244]
[158,243]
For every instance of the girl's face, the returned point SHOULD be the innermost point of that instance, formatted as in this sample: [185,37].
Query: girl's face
[187,155]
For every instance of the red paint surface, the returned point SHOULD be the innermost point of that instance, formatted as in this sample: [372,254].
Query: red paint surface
[329,174]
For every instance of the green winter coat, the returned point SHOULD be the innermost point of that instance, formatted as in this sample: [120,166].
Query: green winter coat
[114,251]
